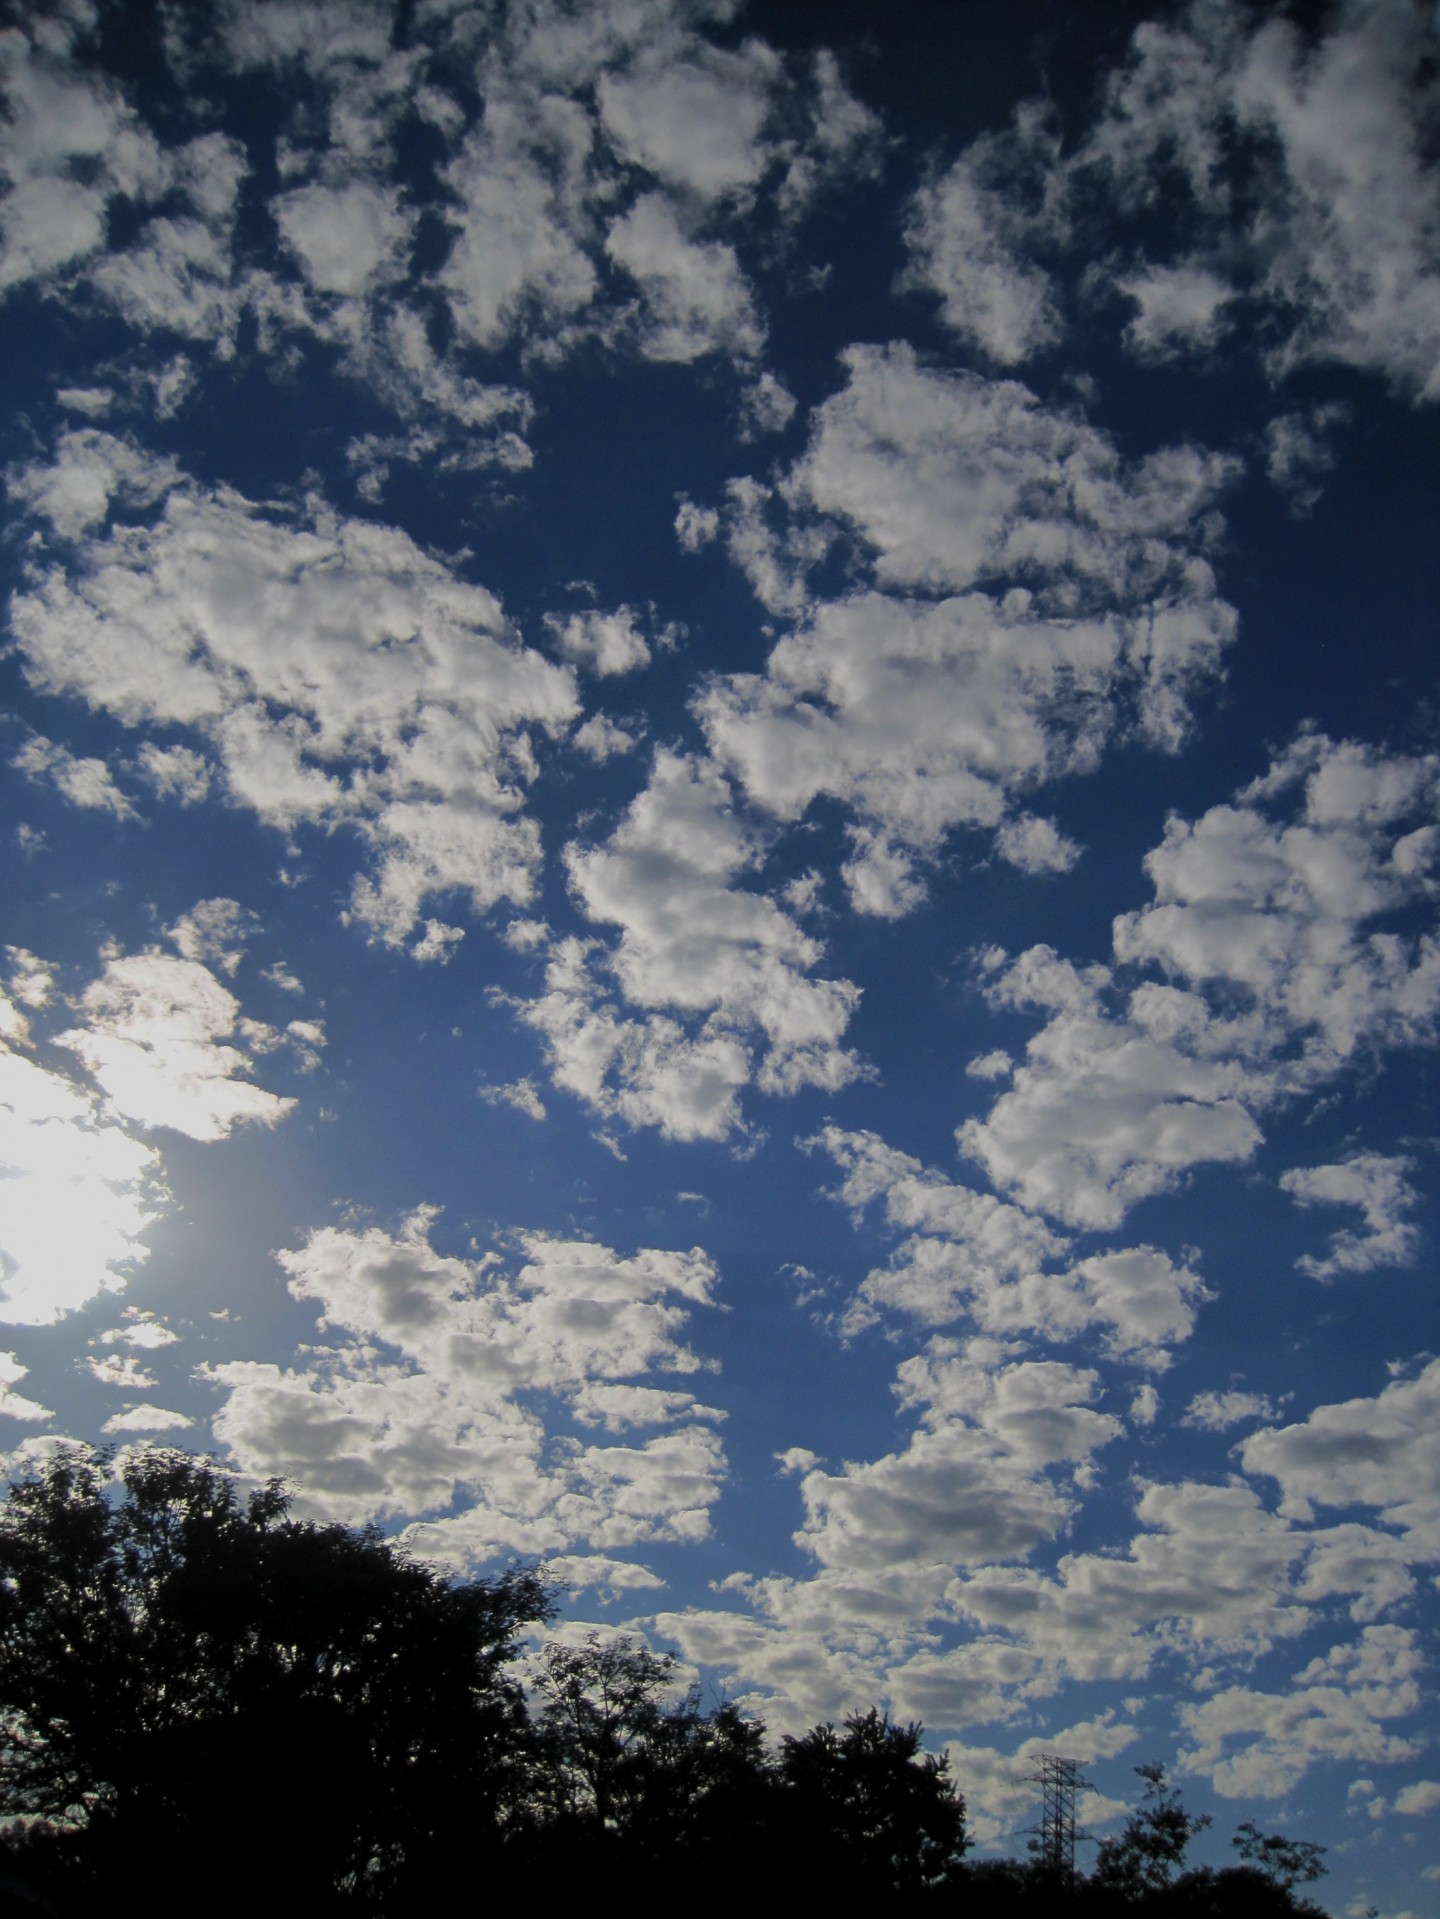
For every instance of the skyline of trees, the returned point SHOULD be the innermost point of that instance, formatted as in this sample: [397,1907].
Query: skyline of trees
[209,1685]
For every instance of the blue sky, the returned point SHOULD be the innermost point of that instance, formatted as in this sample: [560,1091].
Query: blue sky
[723,823]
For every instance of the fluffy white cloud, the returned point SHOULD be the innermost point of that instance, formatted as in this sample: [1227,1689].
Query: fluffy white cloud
[1290,916]
[215,930]
[84,782]
[629,140]
[344,236]
[146,1418]
[695,122]
[606,643]
[1370,1452]
[1262,1744]
[142,1331]
[696,298]
[521,182]
[970,1487]
[432,1390]
[967,1253]
[720,974]
[1000,1786]
[15,1405]
[1291,895]
[153,1036]
[79,1191]
[1105,1111]
[89,472]
[1293,169]
[1377,1184]
[1034,596]
[1211,1572]
[1213,1412]
[338,674]
[71,146]
[1298,452]
[122,1370]
[1328,218]
[968,233]
[1180,308]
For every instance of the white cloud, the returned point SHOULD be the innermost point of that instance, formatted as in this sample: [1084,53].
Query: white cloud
[605,643]
[1000,1786]
[696,526]
[967,1253]
[70,148]
[695,123]
[969,1489]
[969,232]
[520,183]
[718,973]
[1421,1797]
[879,876]
[612,1578]
[79,1192]
[1105,1111]
[1210,1572]
[146,1418]
[1180,308]
[1293,170]
[1370,1452]
[1298,452]
[142,1331]
[1377,1184]
[436,943]
[521,1095]
[1282,915]
[340,674]
[152,1034]
[438,1416]
[90,471]
[1334,1709]
[1213,1412]
[696,299]
[122,1370]
[767,406]
[15,1405]
[600,739]
[345,236]
[175,771]
[1327,215]
[1036,846]
[1288,895]
[1038,596]
[214,930]
[85,783]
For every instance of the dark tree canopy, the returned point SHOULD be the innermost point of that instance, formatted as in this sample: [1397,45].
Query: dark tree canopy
[170,1656]
[233,1709]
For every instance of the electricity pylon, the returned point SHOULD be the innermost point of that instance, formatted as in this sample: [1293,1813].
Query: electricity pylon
[1059,1781]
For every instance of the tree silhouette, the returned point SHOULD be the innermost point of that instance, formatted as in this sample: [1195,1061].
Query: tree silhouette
[871,1808]
[175,1665]
[1150,1849]
[632,1777]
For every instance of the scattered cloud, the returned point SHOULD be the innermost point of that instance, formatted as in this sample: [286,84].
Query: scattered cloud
[1376,1183]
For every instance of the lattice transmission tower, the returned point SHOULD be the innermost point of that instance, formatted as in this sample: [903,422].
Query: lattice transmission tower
[1060,1782]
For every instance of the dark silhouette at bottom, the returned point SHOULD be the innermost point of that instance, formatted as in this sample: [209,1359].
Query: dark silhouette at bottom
[212,1706]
